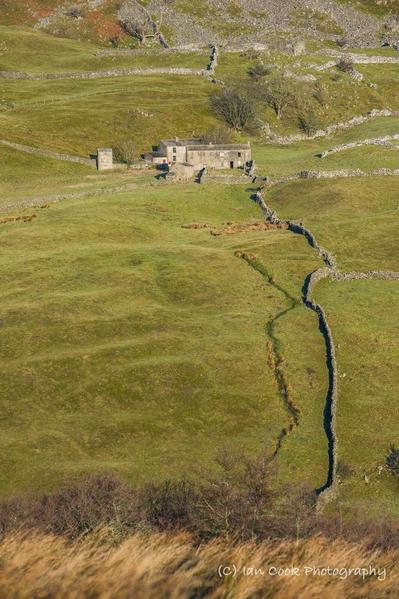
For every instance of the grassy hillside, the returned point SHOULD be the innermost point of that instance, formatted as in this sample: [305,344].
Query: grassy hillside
[364,317]
[23,49]
[374,6]
[79,116]
[357,221]
[132,343]
[279,160]
[129,342]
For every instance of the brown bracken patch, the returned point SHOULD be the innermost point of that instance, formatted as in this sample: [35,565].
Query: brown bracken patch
[232,228]
[26,218]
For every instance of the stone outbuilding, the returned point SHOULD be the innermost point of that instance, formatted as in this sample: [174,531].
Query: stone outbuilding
[105,160]
[200,155]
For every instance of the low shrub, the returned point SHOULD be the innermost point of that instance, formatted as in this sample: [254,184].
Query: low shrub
[345,65]
[258,71]
[124,152]
[392,460]
[309,123]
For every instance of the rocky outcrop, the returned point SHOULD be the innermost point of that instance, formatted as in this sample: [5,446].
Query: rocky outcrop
[257,21]
[138,22]
[390,35]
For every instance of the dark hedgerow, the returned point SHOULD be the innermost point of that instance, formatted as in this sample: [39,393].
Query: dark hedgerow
[239,503]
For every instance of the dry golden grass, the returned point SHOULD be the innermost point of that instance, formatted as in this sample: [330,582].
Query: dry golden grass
[158,565]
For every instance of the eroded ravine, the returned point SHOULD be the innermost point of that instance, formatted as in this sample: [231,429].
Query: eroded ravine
[274,355]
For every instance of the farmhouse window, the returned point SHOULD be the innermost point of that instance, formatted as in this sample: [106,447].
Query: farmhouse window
[239,154]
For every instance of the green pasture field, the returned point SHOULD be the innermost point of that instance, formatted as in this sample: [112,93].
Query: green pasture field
[303,455]
[364,318]
[356,219]
[132,344]
[23,49]
[49,177]
[279,160]
[78,116]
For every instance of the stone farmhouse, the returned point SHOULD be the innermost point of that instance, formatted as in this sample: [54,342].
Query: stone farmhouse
[199,155]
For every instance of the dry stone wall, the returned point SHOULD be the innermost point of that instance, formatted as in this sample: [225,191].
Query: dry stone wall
[361,58]
[343,173]
[213,59]
[48,153]
[329,486]
[377,141]
[123,72]
[330,270]
[357,120]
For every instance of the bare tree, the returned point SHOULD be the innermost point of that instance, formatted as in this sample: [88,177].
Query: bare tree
[235,107]
[125,151]
[218,135]
[278,93]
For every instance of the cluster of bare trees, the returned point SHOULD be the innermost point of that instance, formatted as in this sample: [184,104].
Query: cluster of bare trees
[234,106]
[245,500]
[218,135]
[240,102]
[124,151]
